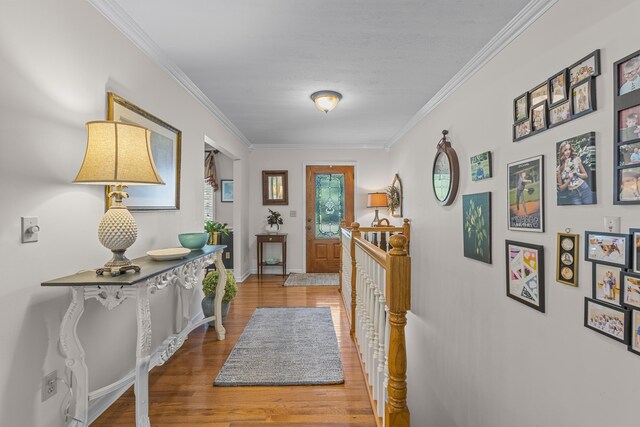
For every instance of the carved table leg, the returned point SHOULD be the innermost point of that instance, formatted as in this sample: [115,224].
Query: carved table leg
[74,355]
[222,282]
[143,349]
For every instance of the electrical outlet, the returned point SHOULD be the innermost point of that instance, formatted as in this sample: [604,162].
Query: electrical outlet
[227,255]
[49,385]
[612,224]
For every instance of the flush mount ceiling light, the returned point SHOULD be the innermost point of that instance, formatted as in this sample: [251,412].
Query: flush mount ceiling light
[326,100]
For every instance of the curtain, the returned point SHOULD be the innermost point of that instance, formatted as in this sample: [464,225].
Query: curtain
[210,170]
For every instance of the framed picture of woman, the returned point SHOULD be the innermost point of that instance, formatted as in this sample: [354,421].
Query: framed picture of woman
[576,170]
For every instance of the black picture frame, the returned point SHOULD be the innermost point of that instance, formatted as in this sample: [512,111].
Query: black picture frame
[533,169]
[525,125]
[567,258]
[225,196]
[606,259]
[551,92]
[481,166]
[535,127]
[578,97]
[526,108]
[625,298]
[624,338]
[633,134]
[617,72]
[538,97]
[586,69]
[555,111]
[634,336]
[522,292]
[634,234]
[597,268]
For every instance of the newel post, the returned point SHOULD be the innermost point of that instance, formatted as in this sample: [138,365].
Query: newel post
[399,301]
[355,233]
[406,230]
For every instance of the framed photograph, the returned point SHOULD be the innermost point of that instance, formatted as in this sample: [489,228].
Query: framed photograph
[576,170]
[559,114]
[567,259]
[521,108]
[628,191]
[526,194]
[607,248]
[583,100]
[166,149]
[606,319]
[628,124]
[539,117]
[634,342]
[589,66]
[481,166]
[630,290]
[476,222]
[521,130]
[558,88]
[606,283]
[628,74]
[539,94]
[525,273]
[635,249]
[226,190]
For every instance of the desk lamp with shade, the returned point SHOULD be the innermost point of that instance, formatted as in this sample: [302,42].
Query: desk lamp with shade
[119,155]
[376,200]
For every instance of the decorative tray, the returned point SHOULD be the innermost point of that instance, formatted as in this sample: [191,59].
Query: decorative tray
[168,254]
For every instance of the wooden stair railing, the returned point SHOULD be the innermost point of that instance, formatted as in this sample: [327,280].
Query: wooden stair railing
[376,291]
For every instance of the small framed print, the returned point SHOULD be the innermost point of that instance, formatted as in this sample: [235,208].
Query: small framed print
[521,130]
[539,117]
[481,166]
[567,259]
[634,341]
[521,108]
[589,66]
[539,94]
[558,88]
[606,319]
[526,194]
[628,190]
[559,114]
[583,100]
[630,290]
[525,273]
[628,74]
[607,248]
[635,249]
[606,283]
[226,190]
[629,154]
[629,124]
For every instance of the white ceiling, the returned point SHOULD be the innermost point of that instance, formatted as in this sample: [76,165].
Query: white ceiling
[259,60]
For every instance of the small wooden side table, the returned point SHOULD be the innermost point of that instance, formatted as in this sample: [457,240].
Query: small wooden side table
[272,238]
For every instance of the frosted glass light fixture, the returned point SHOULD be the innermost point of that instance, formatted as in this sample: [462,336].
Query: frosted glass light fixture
[326,100]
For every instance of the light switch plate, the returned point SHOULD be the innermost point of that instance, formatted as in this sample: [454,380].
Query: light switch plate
[293,214]
[27,223]
[612,224]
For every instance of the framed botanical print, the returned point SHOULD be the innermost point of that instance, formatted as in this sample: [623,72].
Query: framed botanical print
[525,273]
[567,259]
[166,143]
[476,222]
[606,319]
[607,248]
[526,194]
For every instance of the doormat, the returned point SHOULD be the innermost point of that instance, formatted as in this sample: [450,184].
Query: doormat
[312,279]
[285,346]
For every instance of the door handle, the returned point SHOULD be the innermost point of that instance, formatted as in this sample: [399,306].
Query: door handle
[308,227]
[308,219]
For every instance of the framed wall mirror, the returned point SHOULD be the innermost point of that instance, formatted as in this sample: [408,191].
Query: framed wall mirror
[275,189]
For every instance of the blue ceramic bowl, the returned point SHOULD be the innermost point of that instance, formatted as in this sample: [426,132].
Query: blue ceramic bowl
[193,241]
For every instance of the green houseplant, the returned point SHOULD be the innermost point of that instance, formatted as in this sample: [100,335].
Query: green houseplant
[274,221]
[214,229]
[209,286]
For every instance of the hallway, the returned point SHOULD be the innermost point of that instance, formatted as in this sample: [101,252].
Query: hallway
[181,393]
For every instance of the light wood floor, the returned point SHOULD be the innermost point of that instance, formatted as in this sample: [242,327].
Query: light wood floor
[181,391]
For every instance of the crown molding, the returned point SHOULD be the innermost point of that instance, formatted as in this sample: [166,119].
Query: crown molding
[123,22]
[527,16]
[318,147]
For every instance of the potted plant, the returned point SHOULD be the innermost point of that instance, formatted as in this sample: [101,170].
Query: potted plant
[214,229]
[274,221]
[209,285]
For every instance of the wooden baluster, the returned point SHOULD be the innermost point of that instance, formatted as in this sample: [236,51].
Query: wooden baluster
[407,233]
[373,344]
[399,295]
[343,224]
[382,337]
[384,238]
[355,234]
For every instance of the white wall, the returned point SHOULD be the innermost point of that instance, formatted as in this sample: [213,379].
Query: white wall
[371,175]
[58,60]
[224,170]
[476,357]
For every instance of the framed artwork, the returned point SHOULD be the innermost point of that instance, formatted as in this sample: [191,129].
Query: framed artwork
[521,130]
[394,195]
[567,256]
[628,74]
[576,170]
[558,88]
[606,319]
[629,124]
[481,166]
[583,100]
[539,94]
[539,117]
[559,114]
[476,221]
[526,194]
[635,249]
[634,342]
[606,283]
[166,144]
[629,154]
[275,188]
[607,248]
[226,190]
[630,290]
[525,273]
[521,108]
[628,191]
[589,66]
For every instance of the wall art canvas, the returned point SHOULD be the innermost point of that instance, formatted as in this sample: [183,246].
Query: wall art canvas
[526,194]
[576,170]
[607,281]
[606,319]
[607,248]
[476,221]
[481,166]
[525,273]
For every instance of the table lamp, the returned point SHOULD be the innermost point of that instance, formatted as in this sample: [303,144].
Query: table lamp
[119,155]
[376,200]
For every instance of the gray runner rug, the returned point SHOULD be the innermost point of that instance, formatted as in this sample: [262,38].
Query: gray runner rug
[312,279]
[285,346]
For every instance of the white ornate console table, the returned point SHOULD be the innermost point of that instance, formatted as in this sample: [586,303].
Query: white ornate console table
[111,291]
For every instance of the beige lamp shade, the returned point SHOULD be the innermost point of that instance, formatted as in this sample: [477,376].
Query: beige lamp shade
[118,153]
[376,200]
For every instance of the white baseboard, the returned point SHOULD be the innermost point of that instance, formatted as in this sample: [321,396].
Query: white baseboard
[242,278]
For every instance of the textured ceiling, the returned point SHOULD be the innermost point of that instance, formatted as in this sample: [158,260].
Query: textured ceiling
[259,60]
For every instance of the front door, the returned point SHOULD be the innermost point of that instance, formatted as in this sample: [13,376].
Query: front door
[329,197]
